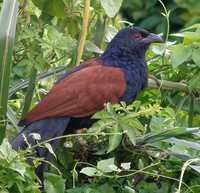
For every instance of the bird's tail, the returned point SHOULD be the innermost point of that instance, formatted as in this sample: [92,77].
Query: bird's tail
[47,129]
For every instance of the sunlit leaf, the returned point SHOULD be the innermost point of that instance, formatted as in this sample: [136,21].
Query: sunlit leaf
[129,131]
[111,110]
[103,165]
[126,166]
[196,56]
[194,82]
[35,136]
[89,171]
[89,46]
[128,189]
[49,147]
[52,7]
[180,54]
[54,183]
[115,139]
[111,7]
[18,167]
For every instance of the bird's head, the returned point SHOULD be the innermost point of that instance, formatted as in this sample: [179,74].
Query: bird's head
[133,40]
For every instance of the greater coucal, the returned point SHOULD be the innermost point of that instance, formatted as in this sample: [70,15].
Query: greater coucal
[117,75]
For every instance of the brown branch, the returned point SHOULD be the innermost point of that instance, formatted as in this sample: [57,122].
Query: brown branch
[22,7]
[167,85]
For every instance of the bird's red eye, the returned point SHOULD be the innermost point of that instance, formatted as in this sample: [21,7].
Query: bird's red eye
[136,36]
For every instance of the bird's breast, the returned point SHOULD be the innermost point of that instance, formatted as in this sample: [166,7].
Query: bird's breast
[136,76]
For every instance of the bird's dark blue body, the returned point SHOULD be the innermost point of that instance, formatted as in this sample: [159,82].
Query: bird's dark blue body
[136,75]
[135,70]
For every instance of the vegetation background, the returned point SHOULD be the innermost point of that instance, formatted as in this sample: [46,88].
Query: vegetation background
[153,145]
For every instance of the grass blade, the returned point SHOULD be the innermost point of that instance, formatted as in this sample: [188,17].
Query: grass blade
[8,17]
[155,136]
[30,91]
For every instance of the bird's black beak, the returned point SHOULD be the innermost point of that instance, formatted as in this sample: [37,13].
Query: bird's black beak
[153,38]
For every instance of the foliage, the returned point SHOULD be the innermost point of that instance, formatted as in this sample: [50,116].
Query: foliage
[183,14]
[16,175]
[137,148]
[162,151]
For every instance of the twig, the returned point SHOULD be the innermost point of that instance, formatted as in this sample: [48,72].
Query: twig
[186,164]
[22,7]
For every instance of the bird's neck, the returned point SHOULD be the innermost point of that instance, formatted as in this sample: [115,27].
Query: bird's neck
[118,56]
[122,57]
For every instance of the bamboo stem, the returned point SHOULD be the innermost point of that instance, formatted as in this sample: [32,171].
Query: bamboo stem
[84,31]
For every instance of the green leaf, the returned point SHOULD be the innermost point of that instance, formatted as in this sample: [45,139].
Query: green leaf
[103,165]
[196,56]
[180,54]
[126,166]
[101,124]
[113,167]
[167,133]
[30,91]
[140,164]
[18,167]
[73,28]
[106,188]
[195,26]
[194,82]
[49,147]
[114,140]
[189,37]
[89,171]
[81,189]
[184,143]
[4,191]
[54,183]
[129,131]
[89,46]
[53,7]
[11,116]
[111,7]
[111,32]
[100,30]
[6,151]
[128,189]
[111,110]
[102,115]
[196,121]
[197,168]
[170,112]
[35,136]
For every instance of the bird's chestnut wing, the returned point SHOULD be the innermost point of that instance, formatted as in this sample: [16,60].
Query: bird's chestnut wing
[80,94]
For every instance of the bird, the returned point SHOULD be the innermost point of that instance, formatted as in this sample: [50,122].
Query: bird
[119,74]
